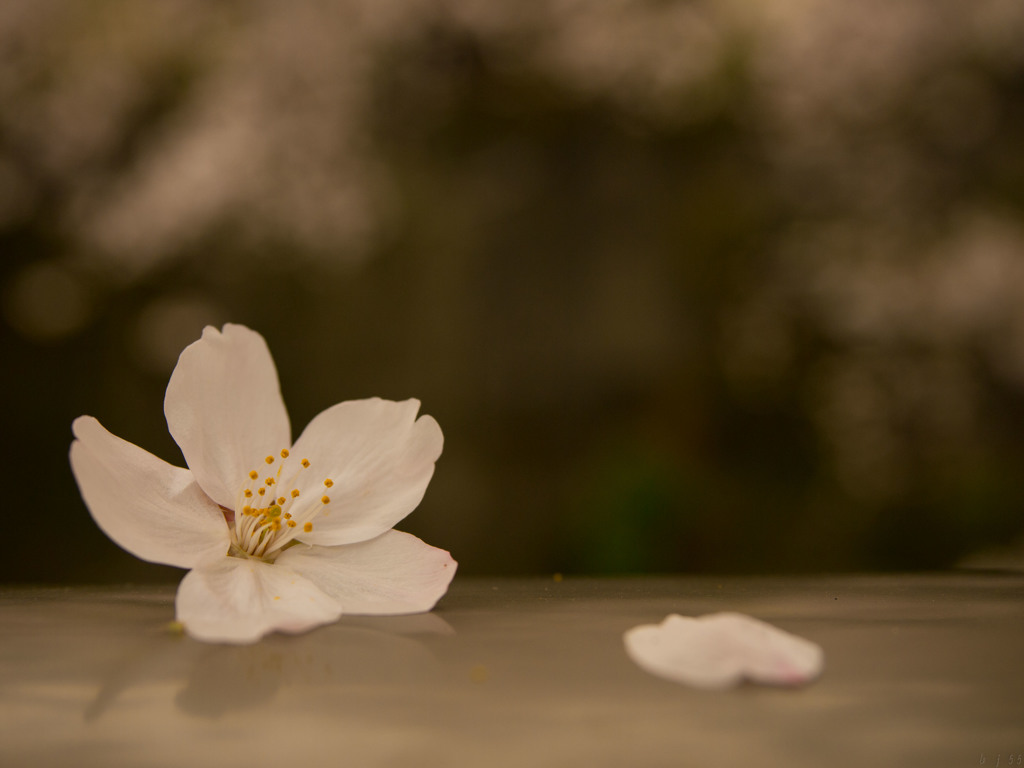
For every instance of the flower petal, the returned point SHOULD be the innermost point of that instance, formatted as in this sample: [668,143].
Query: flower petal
[379,457]
[224,409]
[239,600]
[721,650]
[392,574]
[148,507]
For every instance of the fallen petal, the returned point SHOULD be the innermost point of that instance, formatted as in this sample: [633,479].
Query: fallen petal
[722,650]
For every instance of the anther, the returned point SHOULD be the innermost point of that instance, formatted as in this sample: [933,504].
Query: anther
[261,491]
[325,499]
[281,500]
[291,523]
[307,527]
[305,462]
[295,493]
[269,459]
[284,453]
[328,482]
[247,493]
[253,475]
[269,481]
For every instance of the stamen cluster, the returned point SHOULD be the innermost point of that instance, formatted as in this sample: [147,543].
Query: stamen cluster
[266,522]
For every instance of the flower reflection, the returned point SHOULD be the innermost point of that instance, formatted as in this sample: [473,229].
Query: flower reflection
[220,679]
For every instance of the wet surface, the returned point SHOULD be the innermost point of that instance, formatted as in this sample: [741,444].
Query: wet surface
[919,671]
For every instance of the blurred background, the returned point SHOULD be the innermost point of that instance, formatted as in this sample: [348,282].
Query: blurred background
[691,286]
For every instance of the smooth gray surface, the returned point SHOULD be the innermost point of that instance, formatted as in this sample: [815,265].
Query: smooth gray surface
[920,671]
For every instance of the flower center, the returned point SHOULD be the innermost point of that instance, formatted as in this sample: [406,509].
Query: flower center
[268,518]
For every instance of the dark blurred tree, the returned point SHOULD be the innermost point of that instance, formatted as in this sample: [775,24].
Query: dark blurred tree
[687,288]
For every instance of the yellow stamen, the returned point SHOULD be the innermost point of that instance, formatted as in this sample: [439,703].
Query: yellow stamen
[291,523]
[307,527]
[328,482]
[281,500]
[295,493]
[253,475]
[325,499]
[247,493]
[261,491]
[269,481]
[305,462]
[284,453]
[269,459]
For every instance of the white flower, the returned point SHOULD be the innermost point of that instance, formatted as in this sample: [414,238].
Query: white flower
[277,536]
[722,650]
